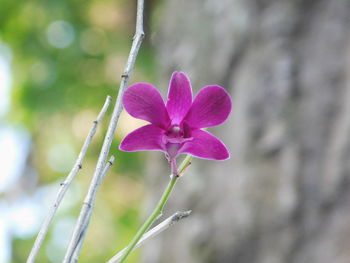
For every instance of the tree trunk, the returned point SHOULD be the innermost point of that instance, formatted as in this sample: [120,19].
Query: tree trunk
[283,197]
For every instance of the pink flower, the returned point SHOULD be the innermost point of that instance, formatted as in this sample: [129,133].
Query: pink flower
[175,128]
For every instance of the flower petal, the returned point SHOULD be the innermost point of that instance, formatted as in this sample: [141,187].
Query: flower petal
[179,97]
[211,107]
[148,137]
[205,145]
[143,101]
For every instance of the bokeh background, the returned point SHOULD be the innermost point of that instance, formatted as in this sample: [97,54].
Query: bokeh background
[58,62]
[283,197]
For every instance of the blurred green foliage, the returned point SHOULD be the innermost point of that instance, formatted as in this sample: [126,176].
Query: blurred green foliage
[67,56]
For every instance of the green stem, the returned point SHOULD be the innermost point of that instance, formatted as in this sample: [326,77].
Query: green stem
[158,210]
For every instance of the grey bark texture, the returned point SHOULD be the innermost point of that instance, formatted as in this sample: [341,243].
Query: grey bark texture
[284,196]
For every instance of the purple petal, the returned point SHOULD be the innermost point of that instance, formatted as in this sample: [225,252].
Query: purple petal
[148,137]
[143,101]
[179,97]
[211,107]
[205,145]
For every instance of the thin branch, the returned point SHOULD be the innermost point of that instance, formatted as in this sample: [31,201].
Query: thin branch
[158,210]
[64,186]
[81,239]
[154,232]
[85,215]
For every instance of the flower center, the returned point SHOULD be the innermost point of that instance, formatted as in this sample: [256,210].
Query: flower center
[174,138]
[177,134]
[175,129]
[174,132]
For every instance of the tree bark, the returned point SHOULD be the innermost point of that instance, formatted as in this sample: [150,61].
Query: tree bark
[284,194]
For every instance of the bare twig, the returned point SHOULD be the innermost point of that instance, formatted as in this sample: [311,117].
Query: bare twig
[64,186]
[157,211]
[153,232]
[81,239]
[88,203]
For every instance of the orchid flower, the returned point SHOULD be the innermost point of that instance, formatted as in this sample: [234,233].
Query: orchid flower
[177,126]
